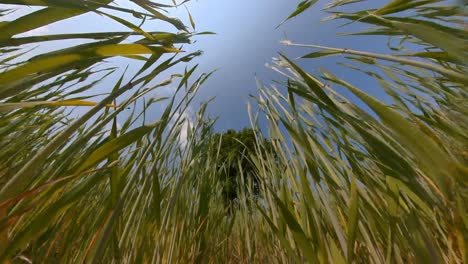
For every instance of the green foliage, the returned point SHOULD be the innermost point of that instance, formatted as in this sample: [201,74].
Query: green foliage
[335,183]
[383,186]
[236,169]
[74,187]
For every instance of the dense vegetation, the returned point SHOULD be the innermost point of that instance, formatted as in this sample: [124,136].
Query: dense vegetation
[342,181]
[236,169]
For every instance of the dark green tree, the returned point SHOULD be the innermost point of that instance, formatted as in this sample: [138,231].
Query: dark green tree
[236,170]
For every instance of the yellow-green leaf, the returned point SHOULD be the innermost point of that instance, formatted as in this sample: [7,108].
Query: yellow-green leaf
[4,107]
[353,216]
[104,151]
[49,63]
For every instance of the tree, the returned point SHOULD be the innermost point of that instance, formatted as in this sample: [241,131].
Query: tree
[235,164]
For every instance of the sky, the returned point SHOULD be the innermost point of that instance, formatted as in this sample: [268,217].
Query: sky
[246,40]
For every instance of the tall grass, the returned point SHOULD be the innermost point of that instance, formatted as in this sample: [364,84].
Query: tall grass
[384,184]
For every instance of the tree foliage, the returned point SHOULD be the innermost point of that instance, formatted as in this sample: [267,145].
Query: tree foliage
[236,169]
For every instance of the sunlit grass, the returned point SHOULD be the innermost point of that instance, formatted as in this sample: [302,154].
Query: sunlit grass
[342,184]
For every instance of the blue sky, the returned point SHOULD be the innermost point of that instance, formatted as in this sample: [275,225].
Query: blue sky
[246,40]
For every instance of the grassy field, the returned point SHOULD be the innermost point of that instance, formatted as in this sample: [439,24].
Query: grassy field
[343,184]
